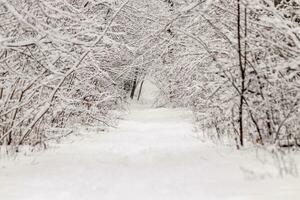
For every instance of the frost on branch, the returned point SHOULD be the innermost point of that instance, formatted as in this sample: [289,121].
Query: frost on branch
[62,63]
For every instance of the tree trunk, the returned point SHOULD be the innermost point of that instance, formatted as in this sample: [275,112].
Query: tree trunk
[140,91]
[242,72]
[134,85]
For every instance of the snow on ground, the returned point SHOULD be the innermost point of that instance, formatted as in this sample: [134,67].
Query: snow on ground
[149,92]
[153,155]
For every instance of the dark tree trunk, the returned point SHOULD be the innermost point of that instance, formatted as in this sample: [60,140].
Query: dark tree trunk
[242,72]
[134,85]
[140,91]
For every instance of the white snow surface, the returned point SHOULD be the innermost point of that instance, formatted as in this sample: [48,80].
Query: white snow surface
[153,155]
[149,92]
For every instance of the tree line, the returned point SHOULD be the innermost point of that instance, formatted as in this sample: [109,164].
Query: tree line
[235,63]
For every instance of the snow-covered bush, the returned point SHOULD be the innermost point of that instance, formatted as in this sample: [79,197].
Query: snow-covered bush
[62,62]
[237,67]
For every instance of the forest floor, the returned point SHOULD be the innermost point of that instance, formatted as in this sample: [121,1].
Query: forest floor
[153,155]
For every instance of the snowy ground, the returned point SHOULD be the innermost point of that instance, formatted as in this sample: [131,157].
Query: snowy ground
[153,155]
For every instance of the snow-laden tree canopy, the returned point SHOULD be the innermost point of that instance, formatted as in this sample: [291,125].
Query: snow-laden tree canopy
[235,63]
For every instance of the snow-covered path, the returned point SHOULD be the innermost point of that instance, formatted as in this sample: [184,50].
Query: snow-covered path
[153,155]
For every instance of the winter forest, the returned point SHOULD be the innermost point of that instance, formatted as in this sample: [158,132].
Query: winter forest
[149,99]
